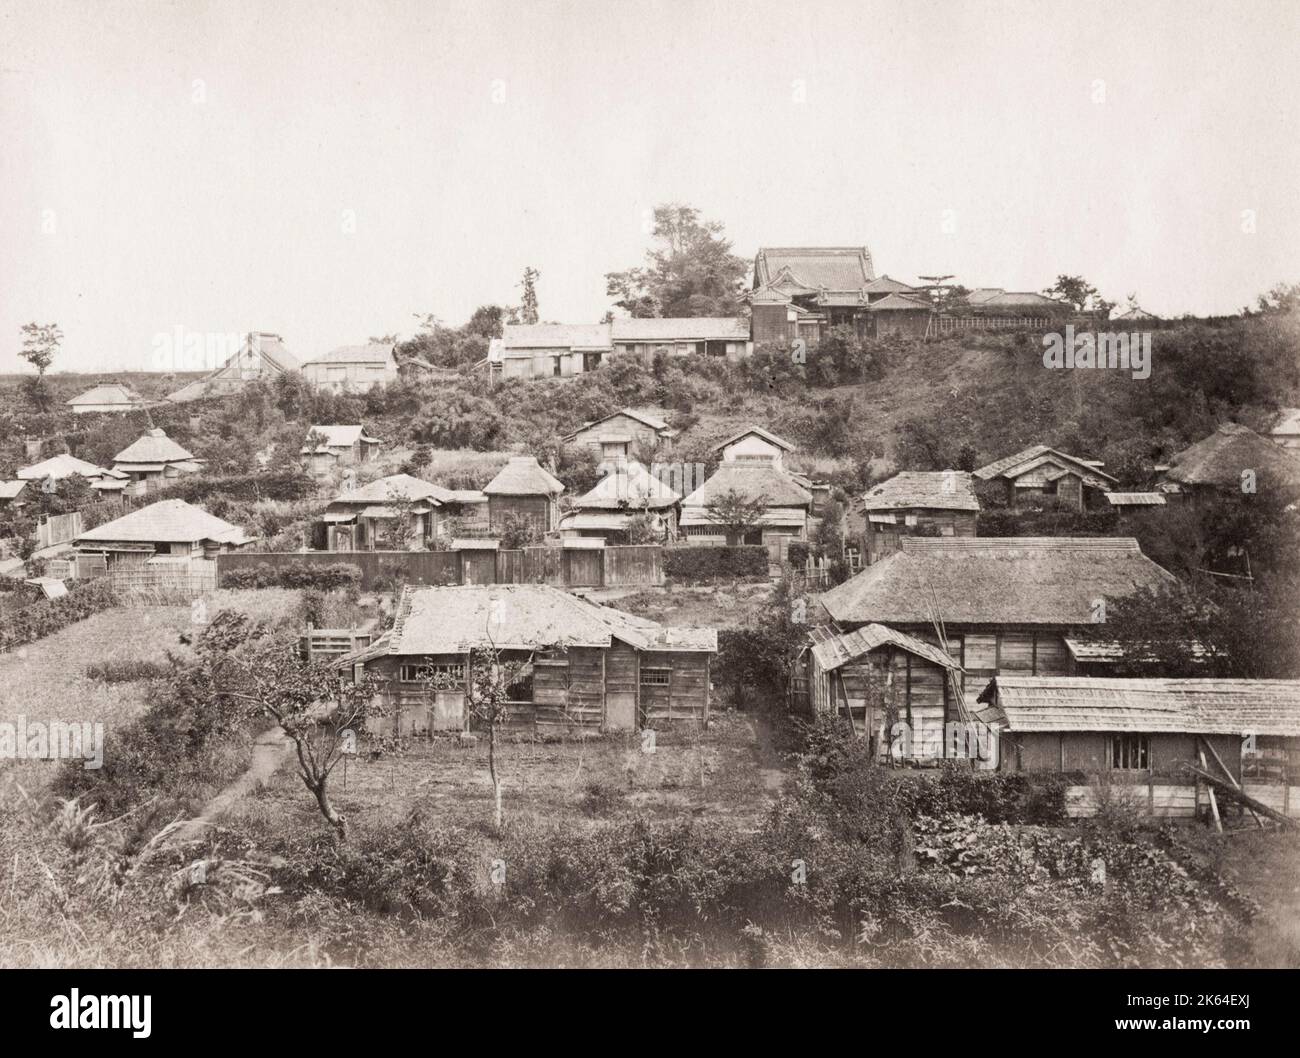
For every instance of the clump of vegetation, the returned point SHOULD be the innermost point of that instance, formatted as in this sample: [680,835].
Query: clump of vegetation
[335,575]
[127,671]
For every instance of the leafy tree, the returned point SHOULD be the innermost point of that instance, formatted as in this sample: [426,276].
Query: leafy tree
[1281,299]
[528,303]
[736,513]
[516,531]
[1075,290]
[691,270]
[40,343]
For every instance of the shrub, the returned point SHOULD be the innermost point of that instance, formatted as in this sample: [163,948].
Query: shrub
[48,616]
[127,671]
[704,565]
[295,575]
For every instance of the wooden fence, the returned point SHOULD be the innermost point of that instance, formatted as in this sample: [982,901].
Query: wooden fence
[608,567]
[58,529]
[185,580]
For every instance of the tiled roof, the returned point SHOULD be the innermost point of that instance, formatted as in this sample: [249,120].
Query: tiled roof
[1200,706]
[949,490]
[168,521]
[886,285]
[900,303]
[682,329]
[524,476]
[1219,459]
[995,580]
[153,447]
[831,267]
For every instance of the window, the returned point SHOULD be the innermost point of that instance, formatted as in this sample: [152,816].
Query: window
[425,672]
[1131,752]
[656,677]
[521,690]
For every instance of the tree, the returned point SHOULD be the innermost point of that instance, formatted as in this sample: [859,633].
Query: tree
[40,342]
[690,272]
[402,531]
[518,531]
[528,303]
[736,513]
[1078,292]
[1282,299]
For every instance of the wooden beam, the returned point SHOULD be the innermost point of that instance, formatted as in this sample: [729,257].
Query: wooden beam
[1214,804]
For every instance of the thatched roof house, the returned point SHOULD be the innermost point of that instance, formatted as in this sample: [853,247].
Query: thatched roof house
[931,502]
[1218,461]
[580,663]
[525,489]
[608,508]
[106,397]
[169,527]
[786,503]
[155,459]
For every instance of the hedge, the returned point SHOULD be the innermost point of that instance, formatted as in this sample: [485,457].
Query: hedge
[48,616]
[271,485]
[702,565]
[295,575]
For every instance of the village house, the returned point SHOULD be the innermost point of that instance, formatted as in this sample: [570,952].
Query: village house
[1286,429]
[627,491]
[353,368]
[366,518]
[648,337]
[786,506]
[622,433]
[576,664]
[1129,503]
[168,529]
[1006,604]
[877,676]
[106,397]
[154,460]
[262,357]
[901,315]
[548,350]
[1041,475]
[754,445]
[1142,734]
[917,502]
[523,489]
[11,493]
[107,483]
[337,446]
[1018,305]
[1233,459]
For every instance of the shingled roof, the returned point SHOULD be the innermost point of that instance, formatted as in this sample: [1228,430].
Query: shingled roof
[523,476]
[1022,460]
[153,447]
[995,580]
[945,490]
[166,522]
[1200,706]
[833,648]
[753,481]
[829,267]
[1219,459]
[453,620]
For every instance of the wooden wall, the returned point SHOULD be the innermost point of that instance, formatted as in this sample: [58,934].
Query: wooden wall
[539,510]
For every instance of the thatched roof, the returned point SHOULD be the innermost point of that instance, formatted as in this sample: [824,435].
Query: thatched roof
[994,581]
[384,490]
[1218,460]
[833,648]
[154,447]
[167,521]
[108,393]
[453,620]
[63,466]
[1197,706]
[524,476]
[1026,459]
[945,490]
[753,481]
[628,484]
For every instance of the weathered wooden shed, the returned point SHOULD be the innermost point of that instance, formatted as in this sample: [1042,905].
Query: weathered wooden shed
[525,489]
[1139,734]
[1042,473]
[580,664]
[934,503]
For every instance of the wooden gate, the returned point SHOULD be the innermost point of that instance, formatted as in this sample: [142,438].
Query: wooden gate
[583,568]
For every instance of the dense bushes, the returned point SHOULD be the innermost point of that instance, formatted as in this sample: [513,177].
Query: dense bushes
[127,671]
[48,616]
[1045,523]
[285,484]
[702,565]
[295,575]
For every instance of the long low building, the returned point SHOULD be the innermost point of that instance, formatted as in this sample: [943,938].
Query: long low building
[574,663]
[1139,734]
[168,528]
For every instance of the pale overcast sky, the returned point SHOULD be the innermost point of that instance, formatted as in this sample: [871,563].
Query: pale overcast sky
[197,164]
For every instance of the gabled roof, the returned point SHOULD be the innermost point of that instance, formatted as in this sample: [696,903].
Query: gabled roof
[453,620]
[369,353]
[9,490]
[108,393]
[339,437]
[167,521]
[384,490]
[1149,706]
[1136,313]
[154,446]
[593,336]
[193,391]
[829,267]
[628,484]
[753,481]
[945,490]
[1219,459]
[887,285]
[524,476]
[1135,499]
[995,581]
[1021,462]
[1287,424]
[645,418]
[63,466]
[757,431]
[833,648]
[900,303]
[681,329]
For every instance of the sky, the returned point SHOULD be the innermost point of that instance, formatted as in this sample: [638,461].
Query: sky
[329,171]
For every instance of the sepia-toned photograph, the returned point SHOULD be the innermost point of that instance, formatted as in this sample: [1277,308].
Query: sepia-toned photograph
[657,485]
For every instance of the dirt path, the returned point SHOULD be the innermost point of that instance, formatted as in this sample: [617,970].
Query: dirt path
[269,751]
[766,757]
